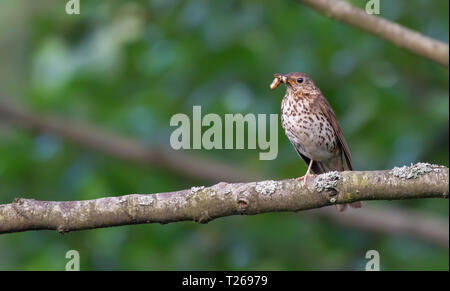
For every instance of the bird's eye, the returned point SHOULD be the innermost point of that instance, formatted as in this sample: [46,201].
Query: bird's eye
[300,80]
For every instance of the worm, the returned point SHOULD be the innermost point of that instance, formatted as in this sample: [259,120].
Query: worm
[275,83]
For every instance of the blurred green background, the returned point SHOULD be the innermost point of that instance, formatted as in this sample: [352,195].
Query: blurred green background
[128,66]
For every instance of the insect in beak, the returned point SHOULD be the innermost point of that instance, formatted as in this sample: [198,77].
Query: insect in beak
[278,78]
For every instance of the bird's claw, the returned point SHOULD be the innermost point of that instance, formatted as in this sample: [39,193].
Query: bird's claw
[304,179]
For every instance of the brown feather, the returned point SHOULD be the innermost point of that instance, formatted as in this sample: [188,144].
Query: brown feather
[322,103]
[334,164]
[302,103]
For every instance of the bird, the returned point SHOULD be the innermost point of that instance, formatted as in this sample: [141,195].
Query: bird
[312,128]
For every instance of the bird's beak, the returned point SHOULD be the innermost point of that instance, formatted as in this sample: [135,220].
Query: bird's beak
[280,79]
[283,79]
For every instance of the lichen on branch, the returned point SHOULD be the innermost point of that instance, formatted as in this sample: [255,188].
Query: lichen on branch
[203,204]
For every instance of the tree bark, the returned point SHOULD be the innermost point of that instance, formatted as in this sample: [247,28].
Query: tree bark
[392,32]
[203,204]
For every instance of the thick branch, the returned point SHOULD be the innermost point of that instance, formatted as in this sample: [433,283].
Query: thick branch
[115,146]
[203,204]
[384,29]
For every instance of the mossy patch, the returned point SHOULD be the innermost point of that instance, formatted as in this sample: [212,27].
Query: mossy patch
[414,171]
[266,187]
[327,181]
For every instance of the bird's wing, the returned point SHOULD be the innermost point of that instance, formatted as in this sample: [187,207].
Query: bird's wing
[322,103]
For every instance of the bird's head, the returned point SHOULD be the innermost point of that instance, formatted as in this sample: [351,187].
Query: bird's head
[297,83]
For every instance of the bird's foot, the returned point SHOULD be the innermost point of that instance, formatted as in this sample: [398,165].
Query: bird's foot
[304,178]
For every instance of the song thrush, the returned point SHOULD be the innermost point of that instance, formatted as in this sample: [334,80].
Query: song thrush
[311,126]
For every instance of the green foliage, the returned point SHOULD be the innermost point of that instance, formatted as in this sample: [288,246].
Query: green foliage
[128,66]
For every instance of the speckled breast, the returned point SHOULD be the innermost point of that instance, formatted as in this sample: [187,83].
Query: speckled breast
[310,132]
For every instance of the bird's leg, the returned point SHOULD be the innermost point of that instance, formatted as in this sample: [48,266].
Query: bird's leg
[305,177]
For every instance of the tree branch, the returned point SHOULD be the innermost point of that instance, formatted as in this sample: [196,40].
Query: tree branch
[203,204]
[124,148]
[118,147]
[391,221]
[392,32]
